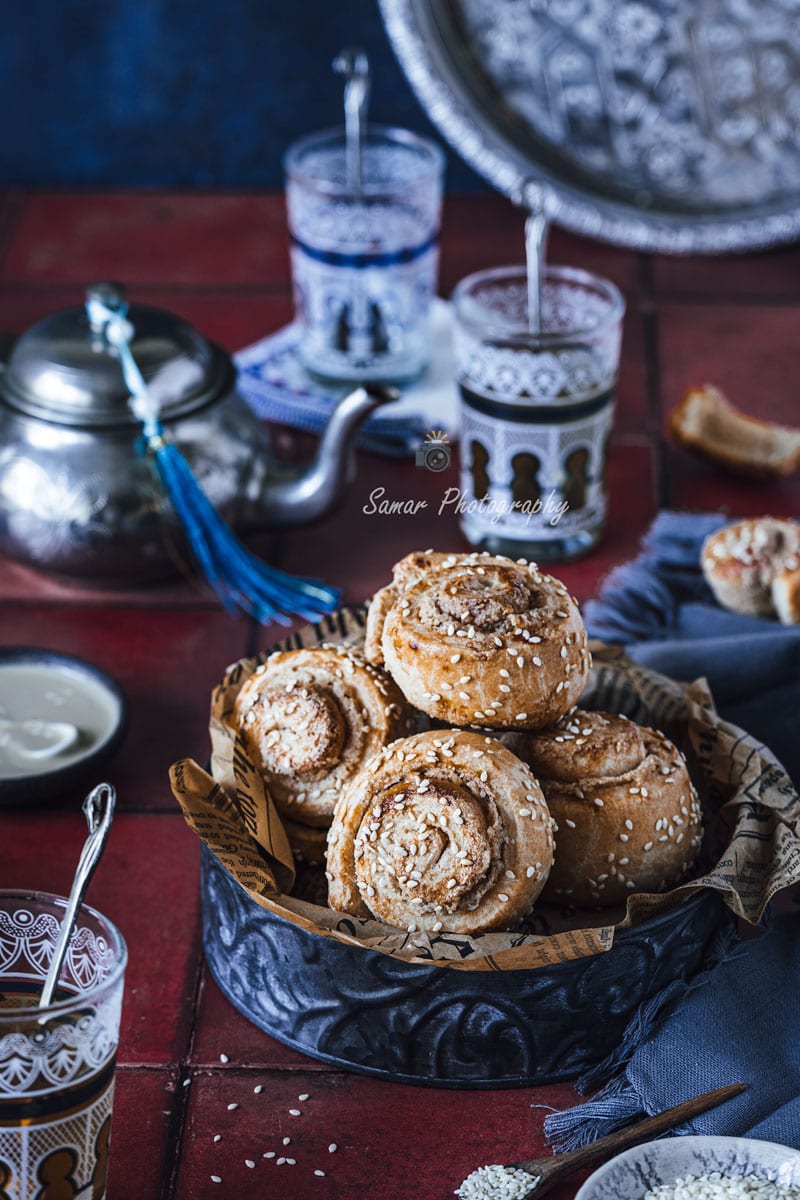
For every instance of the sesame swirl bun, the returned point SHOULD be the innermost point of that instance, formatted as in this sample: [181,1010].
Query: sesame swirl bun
[627,815]
[745,563]
[444,830]
[472,639]
[309,720]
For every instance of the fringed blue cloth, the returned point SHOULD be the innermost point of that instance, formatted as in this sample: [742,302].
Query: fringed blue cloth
[740,1019]
[739,1022]
[242,581]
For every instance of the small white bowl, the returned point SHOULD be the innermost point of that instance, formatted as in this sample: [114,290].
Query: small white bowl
[632,1173]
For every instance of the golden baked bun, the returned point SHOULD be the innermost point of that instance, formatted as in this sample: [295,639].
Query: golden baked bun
[742,561]
[476,640]
[626,813]
[785,592]
[443,830]
[309,720]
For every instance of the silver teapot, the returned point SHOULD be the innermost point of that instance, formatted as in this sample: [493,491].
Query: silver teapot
[78,496]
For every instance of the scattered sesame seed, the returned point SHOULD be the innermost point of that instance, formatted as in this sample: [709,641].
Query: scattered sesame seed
[521,717]
[598,802]
[279,1162]
[223,1058]
[623,837]
[524,812]
[217,1137]
[294,1112]
[258,1089]
[248,1162]
[287,1141]
[305,1096]
[570,824]
[648,845]
[186,1082]
[332,1148]
[291,1162]
[320,1173]
[502,897]
[232,1107]
[216,1179]
[437,926]
[269,1154]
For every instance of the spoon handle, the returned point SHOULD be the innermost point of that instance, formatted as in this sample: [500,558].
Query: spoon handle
[98,808]
[621,1139]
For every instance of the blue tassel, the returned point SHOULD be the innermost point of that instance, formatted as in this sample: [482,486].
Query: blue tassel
[241,580]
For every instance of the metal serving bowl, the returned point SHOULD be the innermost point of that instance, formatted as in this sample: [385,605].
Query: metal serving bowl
[367,1012]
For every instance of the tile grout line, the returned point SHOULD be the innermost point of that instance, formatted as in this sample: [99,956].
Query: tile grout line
[177,1122]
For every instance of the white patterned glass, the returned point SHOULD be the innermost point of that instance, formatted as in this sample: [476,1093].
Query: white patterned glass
[364,261]
[56,1063]
[537,410]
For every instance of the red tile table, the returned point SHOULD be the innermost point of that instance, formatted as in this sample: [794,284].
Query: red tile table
[221,261]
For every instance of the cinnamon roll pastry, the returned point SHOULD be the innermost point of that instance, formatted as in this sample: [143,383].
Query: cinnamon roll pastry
[444,830]
[742,562]
[473,639]
[310,719]
[627,816]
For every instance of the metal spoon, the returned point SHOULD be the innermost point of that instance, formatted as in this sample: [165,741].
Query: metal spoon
[354,65]
[542,205]
[98,808]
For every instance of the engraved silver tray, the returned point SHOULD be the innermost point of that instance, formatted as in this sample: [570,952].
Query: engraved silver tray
[668,125]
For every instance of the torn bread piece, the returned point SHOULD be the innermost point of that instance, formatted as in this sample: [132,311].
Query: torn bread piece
[705,422]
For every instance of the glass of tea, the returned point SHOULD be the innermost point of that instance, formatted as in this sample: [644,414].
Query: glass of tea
[537,408]
[56,1063]
[364,256]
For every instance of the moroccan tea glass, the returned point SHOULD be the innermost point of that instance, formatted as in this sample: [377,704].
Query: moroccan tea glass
[537,410]
[56,1063]
[364,258]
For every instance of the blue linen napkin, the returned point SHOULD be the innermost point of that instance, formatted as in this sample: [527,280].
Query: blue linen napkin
[738,1023]
[662,609]
[740,1020]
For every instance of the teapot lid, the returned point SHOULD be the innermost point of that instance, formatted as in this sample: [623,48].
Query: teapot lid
[64,370]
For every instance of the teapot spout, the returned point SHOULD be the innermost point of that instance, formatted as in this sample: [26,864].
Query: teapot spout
[301,497]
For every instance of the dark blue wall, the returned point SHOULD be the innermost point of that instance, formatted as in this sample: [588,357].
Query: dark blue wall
[182,92]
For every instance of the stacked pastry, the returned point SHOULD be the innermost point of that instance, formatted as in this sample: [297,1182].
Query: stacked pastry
[310,720]
[458,829]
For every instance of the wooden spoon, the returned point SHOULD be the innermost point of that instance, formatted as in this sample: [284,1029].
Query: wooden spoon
[547,1172]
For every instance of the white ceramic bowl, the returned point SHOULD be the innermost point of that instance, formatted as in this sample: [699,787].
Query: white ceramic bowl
[631,1174]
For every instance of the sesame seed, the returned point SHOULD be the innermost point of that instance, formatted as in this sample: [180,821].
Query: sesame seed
[223,1058]
[216,1179]
[258,1089]
[663,838]
[279,1162]
[634,791]
[248,1162]
[502,897]
[232,1107]
[287,1141]
[504,688]
[455,658]
[520,661]
[628,823]
[437,926]
[294,1112]
[186,1082]
[521,717]
[524,812]
[320,1173]
[217,1137]
[648,845]
[537,662]
[291,1162]
[269,1154]
[504,673]
[451,883]
[623,837]
[571,824]
[598,802]
[332,1148]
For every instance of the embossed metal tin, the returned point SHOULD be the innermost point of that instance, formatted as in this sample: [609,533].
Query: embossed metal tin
[368,1012]
[666,126]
